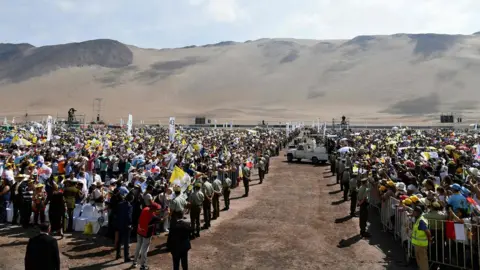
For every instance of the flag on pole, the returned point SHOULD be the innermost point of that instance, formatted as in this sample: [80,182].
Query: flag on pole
[129,125]
[171,133]
[49,128]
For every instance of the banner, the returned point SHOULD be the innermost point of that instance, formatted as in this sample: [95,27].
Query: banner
[171,133]
[129,125]
[49,128]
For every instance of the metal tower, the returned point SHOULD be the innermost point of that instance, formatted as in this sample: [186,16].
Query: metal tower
[97,109]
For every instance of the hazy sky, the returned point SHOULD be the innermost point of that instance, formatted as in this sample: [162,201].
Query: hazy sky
[175,23]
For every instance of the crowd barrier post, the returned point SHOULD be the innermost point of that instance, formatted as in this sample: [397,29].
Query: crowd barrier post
[461,254]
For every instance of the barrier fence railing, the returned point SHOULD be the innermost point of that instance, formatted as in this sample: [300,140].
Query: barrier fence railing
[453,244]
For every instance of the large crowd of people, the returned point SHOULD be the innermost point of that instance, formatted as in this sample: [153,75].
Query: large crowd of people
[431,174]
[144,180]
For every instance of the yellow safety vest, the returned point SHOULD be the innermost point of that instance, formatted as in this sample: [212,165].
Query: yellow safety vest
[419,237]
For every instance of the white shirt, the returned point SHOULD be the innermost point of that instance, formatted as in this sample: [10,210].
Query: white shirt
[85,188]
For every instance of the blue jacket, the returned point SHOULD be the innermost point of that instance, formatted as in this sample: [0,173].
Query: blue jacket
[124,215]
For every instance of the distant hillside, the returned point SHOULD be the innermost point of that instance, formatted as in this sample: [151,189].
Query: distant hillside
[368,78]
[19,62]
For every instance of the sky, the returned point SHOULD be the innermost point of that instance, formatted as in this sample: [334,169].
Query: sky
[178,23]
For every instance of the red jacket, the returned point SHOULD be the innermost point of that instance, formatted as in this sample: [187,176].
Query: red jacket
[145,223]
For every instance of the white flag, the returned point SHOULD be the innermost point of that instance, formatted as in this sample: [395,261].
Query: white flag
[287,128]
[324,130]
[13,120]
[129,125]
[5,121]
[49,127]
[171,133]
[215,121]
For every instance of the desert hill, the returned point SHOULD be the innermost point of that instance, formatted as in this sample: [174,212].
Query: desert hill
[401,77]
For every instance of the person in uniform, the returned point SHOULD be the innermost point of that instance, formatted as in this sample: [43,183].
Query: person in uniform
[353,195]
[421,237]
[177,205]
[207,191]
[17,197]
[348,162]
[261,168]
[346,183]
[217,192]
[246,179]
[341,168]
[267,160]
[363,203]
[195,202]
[333,159]
[26,191]
[227,182]
[338,163]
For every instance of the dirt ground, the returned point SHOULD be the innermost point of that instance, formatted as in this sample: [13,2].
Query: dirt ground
[294,220]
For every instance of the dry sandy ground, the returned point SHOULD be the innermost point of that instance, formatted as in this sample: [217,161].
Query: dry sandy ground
[288,222]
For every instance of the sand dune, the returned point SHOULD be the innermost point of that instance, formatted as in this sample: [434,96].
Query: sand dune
[402,77]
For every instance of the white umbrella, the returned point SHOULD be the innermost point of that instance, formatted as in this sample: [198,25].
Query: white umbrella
[346,149]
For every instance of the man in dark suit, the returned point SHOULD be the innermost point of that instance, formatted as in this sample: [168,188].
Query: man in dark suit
[124,225]
[178,242]
[42,251]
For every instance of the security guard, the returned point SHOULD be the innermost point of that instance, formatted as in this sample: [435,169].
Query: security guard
[341,168]
[207,191]
[25,190]
[346,182]
[177,205]
[17,196]
[217,192]
[353,194]
[421,237]
[267,160]
[196,202]
[261,168]
[246,178]
[333,158]
[227,183]
[363,203]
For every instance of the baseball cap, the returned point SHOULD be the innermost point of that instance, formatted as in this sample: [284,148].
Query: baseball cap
[123,191]
[456,187]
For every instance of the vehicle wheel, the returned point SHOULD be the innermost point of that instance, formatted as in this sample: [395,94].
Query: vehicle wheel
[314,160]
[299,160]
[323,162]
[289,158]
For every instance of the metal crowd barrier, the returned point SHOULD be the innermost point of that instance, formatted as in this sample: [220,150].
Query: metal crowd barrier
[443,251]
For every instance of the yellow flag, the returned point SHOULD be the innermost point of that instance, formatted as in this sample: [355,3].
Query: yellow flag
[15,139]
[177,174]
[184,142]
